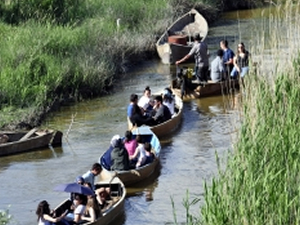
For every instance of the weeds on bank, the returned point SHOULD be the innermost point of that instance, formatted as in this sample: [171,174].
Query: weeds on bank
[261,182]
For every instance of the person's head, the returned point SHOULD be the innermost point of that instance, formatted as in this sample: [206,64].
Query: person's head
[92,203]
[220,53]
[223,44]
[168,95]
[128,135]
[80,199]
[139,139]
[241,47]
[147,91]
[79,180]
[147,147]
[96,169]
[133,98]
[198,37]
[158,100]
[115,141]
[43,208]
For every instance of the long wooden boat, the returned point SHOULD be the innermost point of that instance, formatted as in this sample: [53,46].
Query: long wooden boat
[190,90]
[176,41]
[168,126]
[22,141]
[131,177]
[115,206]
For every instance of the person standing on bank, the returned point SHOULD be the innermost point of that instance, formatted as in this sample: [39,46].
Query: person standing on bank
[201,54]
[227,57]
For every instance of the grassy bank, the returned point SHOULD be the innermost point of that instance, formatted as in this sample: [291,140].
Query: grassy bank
[55,51]
[260,183]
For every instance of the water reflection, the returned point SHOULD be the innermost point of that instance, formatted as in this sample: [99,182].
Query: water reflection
[38,155]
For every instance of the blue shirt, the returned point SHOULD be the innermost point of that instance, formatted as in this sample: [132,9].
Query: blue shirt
[228,54]
[129,110]
[89,177]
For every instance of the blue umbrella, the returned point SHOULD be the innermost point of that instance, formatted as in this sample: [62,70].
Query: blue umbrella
[74,188]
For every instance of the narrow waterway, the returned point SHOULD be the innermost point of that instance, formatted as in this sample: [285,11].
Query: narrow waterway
[188,157]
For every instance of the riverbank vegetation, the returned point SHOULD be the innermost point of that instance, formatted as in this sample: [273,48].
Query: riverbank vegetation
[56,51]
[260,183]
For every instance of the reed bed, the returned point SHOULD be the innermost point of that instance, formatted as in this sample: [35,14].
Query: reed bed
[260,182]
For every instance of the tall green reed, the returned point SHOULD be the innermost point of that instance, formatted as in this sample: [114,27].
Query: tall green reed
[260,183]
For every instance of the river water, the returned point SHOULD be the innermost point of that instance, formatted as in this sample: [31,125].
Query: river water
[188,157]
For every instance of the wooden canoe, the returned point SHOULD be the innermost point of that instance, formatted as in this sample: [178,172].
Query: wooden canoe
[190,90]
[115,208]
[176,41]
[131,177]
[19,142]
[169,126]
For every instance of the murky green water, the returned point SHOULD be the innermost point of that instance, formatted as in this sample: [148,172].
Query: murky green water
[188,157]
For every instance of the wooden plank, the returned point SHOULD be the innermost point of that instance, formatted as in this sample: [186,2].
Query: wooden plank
[29,133]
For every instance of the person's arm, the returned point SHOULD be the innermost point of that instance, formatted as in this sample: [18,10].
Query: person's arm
[235,64]
[183,59]
[54,220]
[77,218]
[136,152]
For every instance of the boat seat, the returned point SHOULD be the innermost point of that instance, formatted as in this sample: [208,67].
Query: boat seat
[28,134]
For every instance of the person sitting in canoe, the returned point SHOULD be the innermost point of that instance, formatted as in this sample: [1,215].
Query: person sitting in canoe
[133,101]
[241,63]
[138,119]
[92,210]
[168,100]
[130,143]
[143,154]
[217,68]
[139,156]
[45,217]
[149,154]
[75,217]
[145,102]
[161,113]
[119,155]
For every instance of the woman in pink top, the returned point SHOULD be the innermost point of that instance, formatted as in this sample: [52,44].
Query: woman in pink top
[130,143]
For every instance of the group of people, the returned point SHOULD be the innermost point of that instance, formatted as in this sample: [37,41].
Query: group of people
[151,111]
[227,64]
[84,207]
[127,153]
